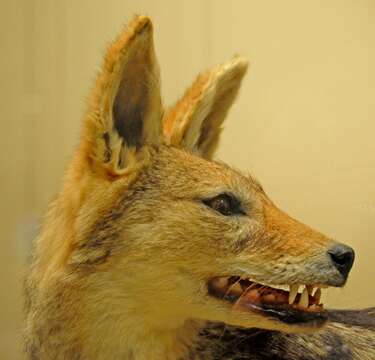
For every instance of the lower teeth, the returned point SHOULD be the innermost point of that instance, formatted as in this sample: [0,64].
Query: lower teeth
[304,299]
[247,291]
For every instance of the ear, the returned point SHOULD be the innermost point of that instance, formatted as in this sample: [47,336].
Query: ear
[195,121]
[125,107]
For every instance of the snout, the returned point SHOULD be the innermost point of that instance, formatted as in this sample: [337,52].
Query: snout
[324,261]
[342,258]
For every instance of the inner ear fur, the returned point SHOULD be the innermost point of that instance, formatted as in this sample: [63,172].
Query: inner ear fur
[125,107]
[195,121]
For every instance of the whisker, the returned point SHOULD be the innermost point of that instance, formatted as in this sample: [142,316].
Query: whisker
[231,286]
[244,292]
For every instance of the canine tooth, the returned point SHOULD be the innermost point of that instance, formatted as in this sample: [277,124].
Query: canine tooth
[304,300]
[317,295]
[220,282]
[235,289]
[293,293]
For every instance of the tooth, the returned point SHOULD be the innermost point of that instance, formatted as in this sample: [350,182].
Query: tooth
[304,300]
[220,282]
[317,295]
[235,289]
[310,289]
[293,293]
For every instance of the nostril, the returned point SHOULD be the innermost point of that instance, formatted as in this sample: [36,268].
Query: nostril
[342,257]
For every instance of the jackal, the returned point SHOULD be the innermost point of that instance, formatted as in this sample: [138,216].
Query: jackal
[152,250]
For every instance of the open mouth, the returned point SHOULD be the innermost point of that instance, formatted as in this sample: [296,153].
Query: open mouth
[290,304]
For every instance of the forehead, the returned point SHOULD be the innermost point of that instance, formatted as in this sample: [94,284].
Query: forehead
[184,173]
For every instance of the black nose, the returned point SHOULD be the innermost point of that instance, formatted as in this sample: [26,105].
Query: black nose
[342,257]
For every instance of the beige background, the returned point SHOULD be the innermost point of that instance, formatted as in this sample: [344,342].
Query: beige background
[304,123]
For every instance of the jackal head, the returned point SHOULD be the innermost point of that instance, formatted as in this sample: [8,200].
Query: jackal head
[153,224]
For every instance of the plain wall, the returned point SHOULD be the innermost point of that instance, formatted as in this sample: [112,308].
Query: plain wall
[304,123]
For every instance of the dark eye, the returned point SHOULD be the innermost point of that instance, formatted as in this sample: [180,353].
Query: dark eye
[225,204]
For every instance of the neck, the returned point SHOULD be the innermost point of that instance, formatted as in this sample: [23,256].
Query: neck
[131,338]
[90,324]
[128,327]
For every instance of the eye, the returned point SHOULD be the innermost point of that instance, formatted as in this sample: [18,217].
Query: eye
[225,204]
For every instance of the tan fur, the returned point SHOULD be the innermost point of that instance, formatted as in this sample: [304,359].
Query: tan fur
[130,58]
[194,122]
[121,266]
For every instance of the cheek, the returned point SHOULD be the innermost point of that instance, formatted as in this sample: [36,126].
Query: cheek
[246,234]
[202,236]
[190,230]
